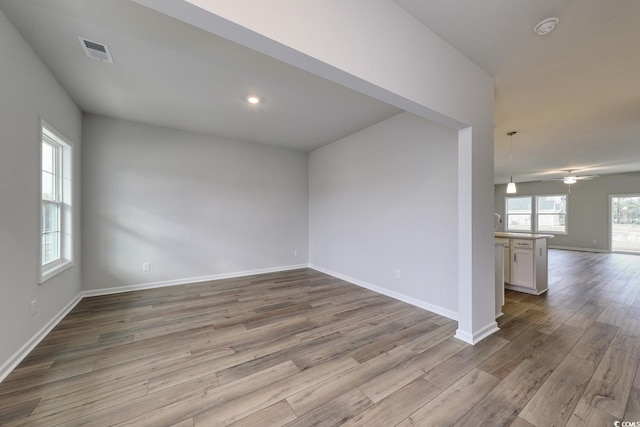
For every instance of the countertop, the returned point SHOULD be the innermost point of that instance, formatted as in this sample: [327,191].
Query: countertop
[526,236]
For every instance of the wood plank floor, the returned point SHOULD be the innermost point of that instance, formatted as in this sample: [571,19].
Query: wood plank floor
[301,348]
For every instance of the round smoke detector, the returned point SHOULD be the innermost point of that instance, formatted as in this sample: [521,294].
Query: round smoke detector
[546,26]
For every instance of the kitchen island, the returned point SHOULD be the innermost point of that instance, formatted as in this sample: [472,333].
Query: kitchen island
[525,261]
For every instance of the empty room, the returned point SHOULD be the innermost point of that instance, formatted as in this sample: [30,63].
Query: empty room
[376,213]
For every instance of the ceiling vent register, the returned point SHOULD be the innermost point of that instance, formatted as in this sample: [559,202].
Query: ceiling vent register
[96,50]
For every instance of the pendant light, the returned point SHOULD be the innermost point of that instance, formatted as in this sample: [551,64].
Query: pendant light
[511,187]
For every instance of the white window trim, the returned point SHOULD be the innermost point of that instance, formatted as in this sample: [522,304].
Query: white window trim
[506,214]
[52,269]
[534,214]
[566,215]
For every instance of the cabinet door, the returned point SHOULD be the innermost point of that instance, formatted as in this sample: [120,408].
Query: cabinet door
[522,268]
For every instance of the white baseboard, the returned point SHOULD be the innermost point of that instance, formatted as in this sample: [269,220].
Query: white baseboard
[571,248]
[395,295]
[479,335]
[184,281]
[24,351]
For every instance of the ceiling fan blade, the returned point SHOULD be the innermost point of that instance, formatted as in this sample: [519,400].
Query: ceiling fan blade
[577,178]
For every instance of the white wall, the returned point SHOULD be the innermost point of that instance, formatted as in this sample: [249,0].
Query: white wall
[192,205]
[399,61]
[384,199]
[587,210]
[406,65]
[28,92]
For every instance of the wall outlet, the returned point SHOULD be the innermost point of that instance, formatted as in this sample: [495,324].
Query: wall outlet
[32,308]
[594,241]
[295,252]
[397,273]
[146,267]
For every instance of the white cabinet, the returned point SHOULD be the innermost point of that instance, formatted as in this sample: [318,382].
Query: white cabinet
[499,271]
[522,271]
[525,269]
[507,261]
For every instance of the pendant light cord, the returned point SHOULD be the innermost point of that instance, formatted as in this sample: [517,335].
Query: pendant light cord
[511,160]
[511,156]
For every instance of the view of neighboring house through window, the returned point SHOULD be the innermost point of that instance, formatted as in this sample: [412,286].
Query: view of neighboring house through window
[55,229]
[551,214]
[519,214]
[547,215]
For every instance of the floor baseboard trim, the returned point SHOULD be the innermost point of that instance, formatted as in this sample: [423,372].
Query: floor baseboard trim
[184,281]
[474,339]
[24,351]
[571,248]
[395,295]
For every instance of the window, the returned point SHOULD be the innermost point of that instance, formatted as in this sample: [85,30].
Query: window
[551,214]
[55,220]
[548,215]
[625,223]
[519,214]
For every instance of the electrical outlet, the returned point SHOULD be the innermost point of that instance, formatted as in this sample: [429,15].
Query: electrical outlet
[397,272]
[594,241]
[146,267]
[295,252]
[32,308]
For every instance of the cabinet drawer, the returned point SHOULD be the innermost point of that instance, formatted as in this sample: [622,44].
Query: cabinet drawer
[522,244]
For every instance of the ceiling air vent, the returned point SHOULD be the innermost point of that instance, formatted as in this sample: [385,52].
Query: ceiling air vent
[96,50]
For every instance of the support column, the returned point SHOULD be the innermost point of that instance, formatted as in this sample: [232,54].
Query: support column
[476,287]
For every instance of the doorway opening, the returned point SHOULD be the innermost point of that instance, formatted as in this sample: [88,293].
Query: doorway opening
[625,223]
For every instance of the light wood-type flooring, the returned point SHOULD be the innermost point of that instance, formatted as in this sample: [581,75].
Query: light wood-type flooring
[301,348]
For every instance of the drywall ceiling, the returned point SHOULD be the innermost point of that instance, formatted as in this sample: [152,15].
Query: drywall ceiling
[573,95]
[168,73]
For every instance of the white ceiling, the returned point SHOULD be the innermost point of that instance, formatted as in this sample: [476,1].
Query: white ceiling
[170,74]
[572,95]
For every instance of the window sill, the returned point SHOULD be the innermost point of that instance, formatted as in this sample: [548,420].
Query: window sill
[50,271]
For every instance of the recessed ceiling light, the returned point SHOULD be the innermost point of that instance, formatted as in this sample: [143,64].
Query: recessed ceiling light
[253,99]
[546,26]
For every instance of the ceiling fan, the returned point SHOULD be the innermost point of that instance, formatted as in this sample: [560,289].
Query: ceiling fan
[572,178]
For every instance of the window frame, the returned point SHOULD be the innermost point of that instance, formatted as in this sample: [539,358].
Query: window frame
[531,214]
[62,199]
[535,223]
[566,214]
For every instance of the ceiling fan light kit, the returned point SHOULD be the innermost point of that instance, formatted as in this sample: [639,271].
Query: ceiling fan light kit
[571,178]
